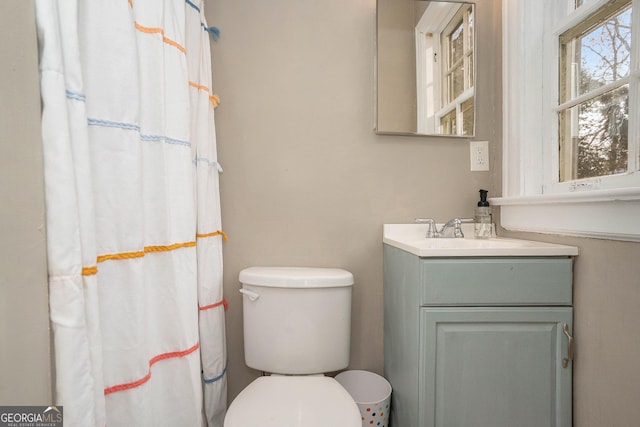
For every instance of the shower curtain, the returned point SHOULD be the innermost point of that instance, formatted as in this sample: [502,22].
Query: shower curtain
[133,217]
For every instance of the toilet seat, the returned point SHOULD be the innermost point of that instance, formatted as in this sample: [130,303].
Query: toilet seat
[293,401]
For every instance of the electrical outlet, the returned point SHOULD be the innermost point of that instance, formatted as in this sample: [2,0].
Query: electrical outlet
[479,151]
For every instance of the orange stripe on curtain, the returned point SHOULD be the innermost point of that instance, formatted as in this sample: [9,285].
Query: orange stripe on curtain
[93,269]
[214,233]
[158,30]
[89,271]
[214,99]
[171,247]
[199,86]
[222,302]
[152,361]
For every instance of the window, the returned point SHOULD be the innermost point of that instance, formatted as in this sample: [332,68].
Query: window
[593,110]
[456,115]
[445,69]
[571,149]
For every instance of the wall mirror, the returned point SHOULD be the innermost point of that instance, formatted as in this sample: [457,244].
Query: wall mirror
[425,68]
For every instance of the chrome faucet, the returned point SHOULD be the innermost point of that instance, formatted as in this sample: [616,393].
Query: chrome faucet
[453,228]
[432,231]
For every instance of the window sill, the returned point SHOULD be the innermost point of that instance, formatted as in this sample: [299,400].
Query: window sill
[613,214]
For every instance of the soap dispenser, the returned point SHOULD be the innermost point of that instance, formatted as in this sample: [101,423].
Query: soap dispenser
[482,220]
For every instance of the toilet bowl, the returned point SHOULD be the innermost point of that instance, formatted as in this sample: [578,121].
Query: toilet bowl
[293,401]
[297,324]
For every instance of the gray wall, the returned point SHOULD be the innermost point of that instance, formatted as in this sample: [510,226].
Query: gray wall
[24,312]
[306,181]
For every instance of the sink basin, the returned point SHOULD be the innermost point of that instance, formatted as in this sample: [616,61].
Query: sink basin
[411,238]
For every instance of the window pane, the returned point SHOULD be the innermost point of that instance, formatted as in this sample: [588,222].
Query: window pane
[467,117]
[456,45]
[594,136]
[471,24]
[456,83]
[471,82]
[597,56]
[448,123]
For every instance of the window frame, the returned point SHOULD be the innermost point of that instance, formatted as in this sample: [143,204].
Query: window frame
[533,199]
[430,57]
[571,99]
[552,184]
[447,102]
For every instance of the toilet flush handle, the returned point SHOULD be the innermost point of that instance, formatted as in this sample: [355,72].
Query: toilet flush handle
[250,294]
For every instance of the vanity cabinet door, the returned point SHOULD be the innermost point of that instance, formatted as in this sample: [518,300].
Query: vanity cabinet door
[494,367]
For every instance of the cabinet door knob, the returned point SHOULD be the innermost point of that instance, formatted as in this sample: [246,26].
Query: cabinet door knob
[569,358]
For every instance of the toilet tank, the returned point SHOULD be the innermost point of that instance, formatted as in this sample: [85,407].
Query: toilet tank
[296,320]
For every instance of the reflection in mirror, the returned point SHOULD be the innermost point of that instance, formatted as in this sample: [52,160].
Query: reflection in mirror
[425,68]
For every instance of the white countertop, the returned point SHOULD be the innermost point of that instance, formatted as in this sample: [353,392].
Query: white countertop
[411,238]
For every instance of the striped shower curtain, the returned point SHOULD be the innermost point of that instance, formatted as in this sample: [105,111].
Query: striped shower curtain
[133,216]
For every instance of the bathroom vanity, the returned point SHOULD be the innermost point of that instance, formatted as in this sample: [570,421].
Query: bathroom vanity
[477,332]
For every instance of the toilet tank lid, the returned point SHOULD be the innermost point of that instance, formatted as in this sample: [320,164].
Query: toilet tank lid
[296,277]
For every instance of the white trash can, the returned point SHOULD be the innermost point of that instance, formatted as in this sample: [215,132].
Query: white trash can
[372,394]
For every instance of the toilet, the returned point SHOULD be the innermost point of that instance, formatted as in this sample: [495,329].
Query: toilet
[297,326]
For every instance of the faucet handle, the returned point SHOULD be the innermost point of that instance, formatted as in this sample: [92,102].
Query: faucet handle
[431,231]
[457,232]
